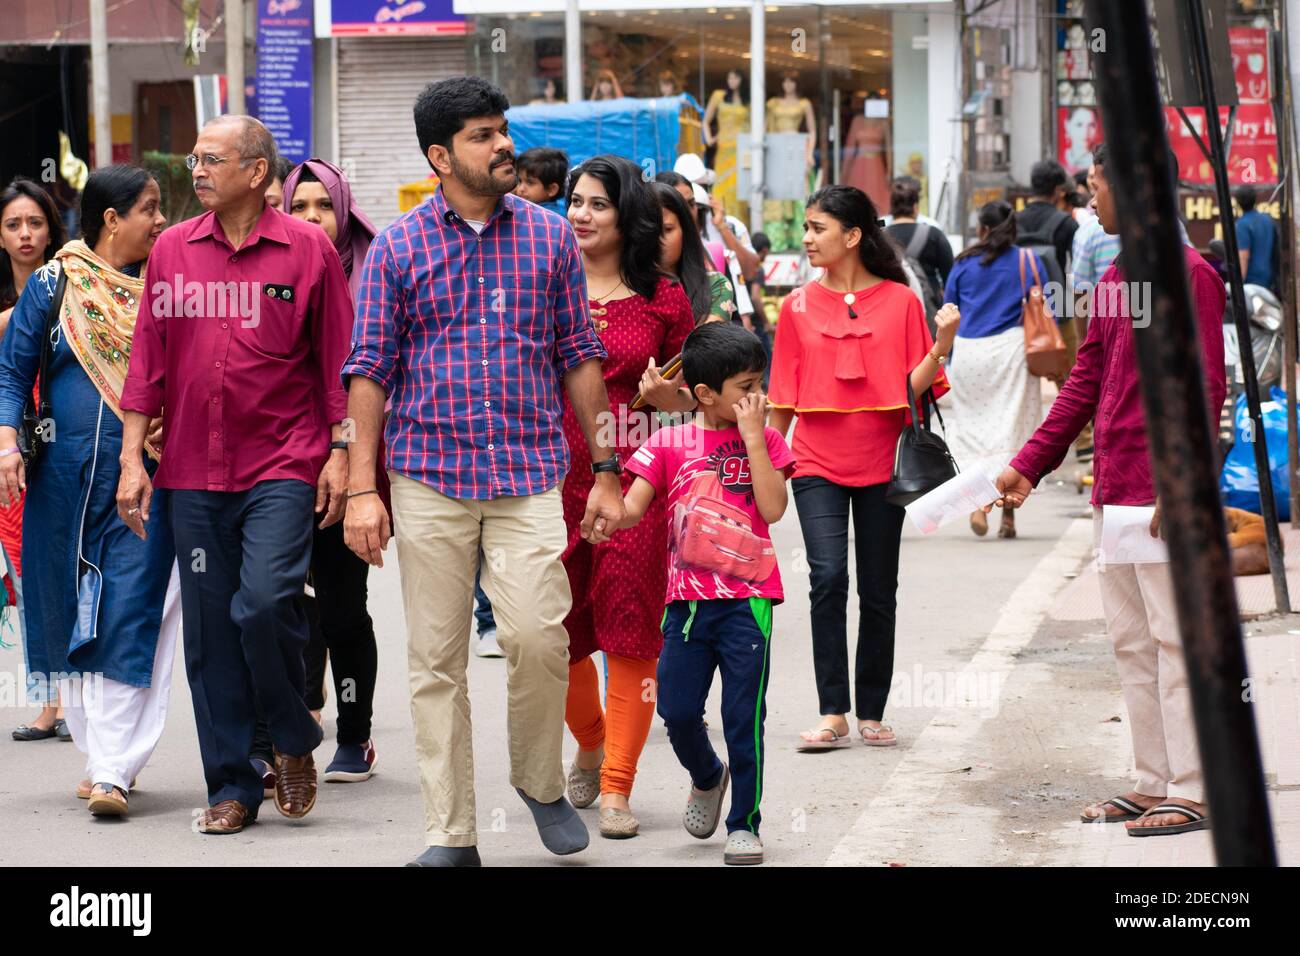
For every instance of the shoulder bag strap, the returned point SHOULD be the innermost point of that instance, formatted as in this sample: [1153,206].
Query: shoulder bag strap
[918,240]
[51,320]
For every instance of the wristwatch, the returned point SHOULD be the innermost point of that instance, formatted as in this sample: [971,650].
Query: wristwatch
[338,446]
[613,463]
[939,359]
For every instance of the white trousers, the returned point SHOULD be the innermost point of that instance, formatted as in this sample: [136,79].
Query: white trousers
[115,725]
[1141,620]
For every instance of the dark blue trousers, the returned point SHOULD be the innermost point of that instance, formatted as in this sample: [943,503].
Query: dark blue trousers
[731,636]
[243,560]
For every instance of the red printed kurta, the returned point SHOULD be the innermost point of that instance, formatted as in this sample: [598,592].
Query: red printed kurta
[618,587]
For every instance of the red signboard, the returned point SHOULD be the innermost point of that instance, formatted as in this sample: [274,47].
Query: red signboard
[1253,156]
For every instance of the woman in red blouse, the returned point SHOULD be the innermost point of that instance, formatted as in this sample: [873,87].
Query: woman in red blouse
[618,587]
[846,345]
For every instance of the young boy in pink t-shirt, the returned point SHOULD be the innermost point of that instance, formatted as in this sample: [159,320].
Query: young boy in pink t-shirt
[724,477]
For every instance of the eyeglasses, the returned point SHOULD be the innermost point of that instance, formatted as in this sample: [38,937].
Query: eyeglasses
[193,160]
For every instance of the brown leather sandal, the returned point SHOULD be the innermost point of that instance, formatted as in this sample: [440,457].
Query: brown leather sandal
[228,816]
[295,784]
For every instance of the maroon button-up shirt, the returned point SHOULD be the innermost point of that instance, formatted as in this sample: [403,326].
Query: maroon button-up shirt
[243,348]
[1104,384]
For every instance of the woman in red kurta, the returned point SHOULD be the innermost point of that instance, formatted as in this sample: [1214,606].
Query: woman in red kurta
[618,587]
[846,345]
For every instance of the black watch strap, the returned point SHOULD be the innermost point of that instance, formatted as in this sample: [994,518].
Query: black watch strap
[338,446]
[613,463]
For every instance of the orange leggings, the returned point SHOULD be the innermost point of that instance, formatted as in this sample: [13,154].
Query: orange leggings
[624,727]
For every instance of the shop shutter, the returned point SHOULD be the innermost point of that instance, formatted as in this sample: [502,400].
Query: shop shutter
[379,79]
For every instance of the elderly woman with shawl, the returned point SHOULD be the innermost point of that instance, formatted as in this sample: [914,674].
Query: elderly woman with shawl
[318,192]
[102,606]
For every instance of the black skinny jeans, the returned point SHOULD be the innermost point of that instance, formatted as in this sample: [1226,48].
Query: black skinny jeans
[824,508]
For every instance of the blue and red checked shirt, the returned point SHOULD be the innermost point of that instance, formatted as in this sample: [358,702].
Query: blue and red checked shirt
[470,334]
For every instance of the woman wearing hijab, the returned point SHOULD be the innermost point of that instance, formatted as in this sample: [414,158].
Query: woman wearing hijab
[318,192]
[103,606]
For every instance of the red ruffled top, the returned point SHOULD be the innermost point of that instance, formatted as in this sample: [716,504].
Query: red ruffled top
[846,379]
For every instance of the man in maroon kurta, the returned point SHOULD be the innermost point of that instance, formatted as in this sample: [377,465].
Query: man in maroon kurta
[1137,598]
[243,326]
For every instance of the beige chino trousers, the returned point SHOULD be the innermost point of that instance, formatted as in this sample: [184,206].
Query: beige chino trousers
[438,544]
[1141,620]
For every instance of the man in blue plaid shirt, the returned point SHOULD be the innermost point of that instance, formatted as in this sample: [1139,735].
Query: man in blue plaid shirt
[472,313]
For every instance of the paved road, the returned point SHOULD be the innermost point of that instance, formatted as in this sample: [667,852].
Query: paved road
[953,592]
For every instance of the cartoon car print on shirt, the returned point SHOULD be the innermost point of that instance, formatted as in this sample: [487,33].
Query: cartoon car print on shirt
[714,535]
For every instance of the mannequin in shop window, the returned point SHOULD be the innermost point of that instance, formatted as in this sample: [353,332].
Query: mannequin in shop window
[867,150]
[668,85]
[788,113]
[551,94]
[730,108]
[606,86]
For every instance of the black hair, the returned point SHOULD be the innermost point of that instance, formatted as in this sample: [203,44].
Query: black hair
[1081,178]
[691,270]
[852,208]
[114,187]
[442,108]
[904,196]
[305,175]
[557,83]
[550,166]
[1245,196]
[670,177]
[1100,153]
[759,241]
[282,168]
[640,221]
[716,351]
[18,189]
[1046,176]
[740,94]
[999,219]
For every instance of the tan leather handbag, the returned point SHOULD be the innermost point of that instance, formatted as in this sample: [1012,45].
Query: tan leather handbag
[1044,346]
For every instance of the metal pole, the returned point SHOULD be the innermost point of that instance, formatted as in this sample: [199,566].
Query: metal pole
[825,143]
[757,112]
[1286,281]
[1219,163]
[103,106]
[572,51]
[1178,429]
[235,56]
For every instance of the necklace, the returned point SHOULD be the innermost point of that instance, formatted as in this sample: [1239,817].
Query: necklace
[600,312]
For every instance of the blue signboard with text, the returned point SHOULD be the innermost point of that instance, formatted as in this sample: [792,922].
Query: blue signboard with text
[284,74]
[394,18]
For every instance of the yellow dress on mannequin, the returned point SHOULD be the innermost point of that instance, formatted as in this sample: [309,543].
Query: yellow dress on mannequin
[733,119]
[783,218]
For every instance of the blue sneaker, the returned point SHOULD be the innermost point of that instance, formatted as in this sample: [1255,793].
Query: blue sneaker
[352,763]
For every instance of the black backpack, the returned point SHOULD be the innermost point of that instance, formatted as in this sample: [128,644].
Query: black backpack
[933,297]
[1042,242]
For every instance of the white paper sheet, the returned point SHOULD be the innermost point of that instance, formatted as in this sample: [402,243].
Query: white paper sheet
[1126,537]
[956,498]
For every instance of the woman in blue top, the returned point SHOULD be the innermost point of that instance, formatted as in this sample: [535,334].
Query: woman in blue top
[996,402]
[101,618]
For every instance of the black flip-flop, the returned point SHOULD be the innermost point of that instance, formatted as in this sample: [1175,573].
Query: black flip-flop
[23,732]
[1131,811]
[1195,821]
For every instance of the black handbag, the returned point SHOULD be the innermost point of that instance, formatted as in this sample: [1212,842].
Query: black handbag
[922,461]
[37,416]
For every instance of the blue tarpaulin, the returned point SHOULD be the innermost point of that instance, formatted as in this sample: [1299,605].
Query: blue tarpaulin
[645,131]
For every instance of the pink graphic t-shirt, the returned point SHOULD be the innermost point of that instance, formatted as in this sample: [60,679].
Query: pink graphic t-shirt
[718,543]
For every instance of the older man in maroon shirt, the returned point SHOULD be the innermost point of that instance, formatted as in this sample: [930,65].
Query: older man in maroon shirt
[243,326]
[1138,599]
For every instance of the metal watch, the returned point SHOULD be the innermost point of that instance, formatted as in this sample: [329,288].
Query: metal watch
[613,463]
